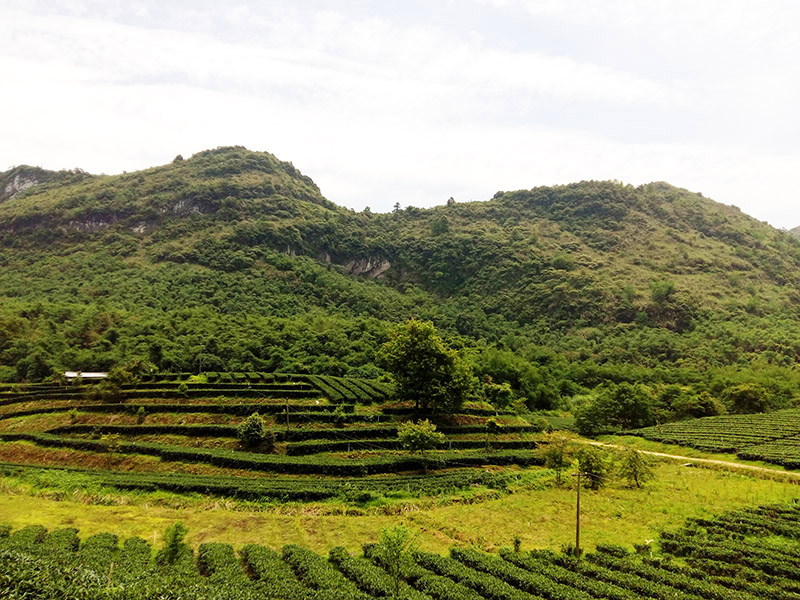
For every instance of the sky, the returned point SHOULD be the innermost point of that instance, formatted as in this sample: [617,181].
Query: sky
[416,101]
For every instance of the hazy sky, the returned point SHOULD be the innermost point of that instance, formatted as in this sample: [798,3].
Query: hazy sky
[416,101]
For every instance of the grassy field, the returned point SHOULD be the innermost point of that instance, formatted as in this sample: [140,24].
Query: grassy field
[543,518]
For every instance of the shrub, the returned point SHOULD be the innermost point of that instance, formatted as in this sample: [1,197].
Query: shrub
[420,436]
[174,546]
[541,424]
[253,433]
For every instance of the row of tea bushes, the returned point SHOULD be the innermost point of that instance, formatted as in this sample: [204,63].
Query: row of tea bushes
[706,560]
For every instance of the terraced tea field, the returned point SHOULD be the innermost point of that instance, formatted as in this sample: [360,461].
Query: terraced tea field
[743,555]
[334,438]
[771,437]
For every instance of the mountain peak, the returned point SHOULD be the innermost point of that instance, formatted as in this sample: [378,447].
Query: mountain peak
[24,177]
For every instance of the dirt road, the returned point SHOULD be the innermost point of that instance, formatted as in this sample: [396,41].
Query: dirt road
[710,461]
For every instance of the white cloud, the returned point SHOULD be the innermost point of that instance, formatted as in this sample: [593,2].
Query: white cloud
[379,112]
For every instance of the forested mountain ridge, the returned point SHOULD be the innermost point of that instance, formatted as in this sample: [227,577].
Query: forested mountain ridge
[234,260]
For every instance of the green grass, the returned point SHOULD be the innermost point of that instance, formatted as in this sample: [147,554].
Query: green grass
[543,518]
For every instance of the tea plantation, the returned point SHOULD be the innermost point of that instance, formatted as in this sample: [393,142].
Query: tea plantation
[742,555]
[329,437]
[771,437]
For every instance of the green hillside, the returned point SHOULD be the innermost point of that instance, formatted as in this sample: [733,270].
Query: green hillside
[233,261]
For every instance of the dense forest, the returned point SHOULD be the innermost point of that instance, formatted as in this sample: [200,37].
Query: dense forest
[233,260]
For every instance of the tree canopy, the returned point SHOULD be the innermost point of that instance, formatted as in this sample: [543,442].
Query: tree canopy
[623,406]
[424,369]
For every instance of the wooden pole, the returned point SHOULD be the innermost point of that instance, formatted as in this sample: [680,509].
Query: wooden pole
[578,519]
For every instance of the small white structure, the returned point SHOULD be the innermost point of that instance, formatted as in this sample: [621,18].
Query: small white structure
[84,375]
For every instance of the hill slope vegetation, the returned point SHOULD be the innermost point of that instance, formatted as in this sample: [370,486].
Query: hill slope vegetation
[233,261]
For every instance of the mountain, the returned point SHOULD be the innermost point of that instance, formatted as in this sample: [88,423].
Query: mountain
[234,260]
[18,179]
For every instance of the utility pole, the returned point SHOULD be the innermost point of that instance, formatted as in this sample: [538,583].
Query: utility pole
[578,518]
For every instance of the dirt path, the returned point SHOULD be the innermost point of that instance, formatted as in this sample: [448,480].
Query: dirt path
[708,461]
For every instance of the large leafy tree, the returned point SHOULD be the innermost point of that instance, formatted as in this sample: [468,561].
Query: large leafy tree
[623,406]
[425,370]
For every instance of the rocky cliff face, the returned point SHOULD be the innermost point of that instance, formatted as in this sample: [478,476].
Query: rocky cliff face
[18,179]
[370,266]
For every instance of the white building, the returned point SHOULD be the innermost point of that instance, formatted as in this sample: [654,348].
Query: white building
[84,375]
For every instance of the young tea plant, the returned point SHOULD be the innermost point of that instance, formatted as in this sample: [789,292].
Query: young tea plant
[394,547]
[174,545]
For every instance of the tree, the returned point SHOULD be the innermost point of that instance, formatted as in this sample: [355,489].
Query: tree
[747,398]
[138,367]
[499,395]
[635,468]
[623,406]
[395,544]
[253,432]
[592,466]
[440,225]
[425,371]
[34,367]
[557,450]
[420,436]
[687,403]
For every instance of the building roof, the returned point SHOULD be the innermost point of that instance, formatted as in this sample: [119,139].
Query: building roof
[85,374]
